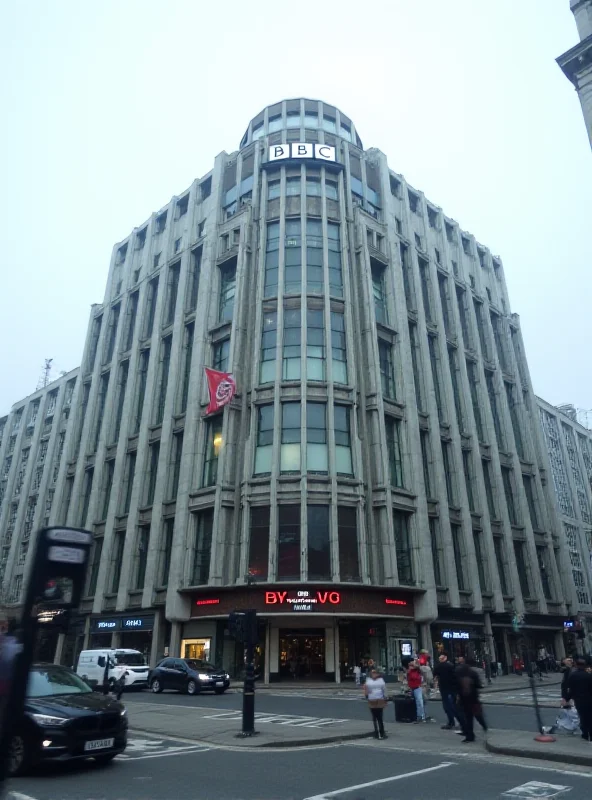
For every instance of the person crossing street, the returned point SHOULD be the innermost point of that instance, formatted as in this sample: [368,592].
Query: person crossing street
[375,692]
[445,681]
[468,697]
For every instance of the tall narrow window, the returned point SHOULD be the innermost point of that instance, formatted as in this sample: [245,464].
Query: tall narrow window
[393,443]
[521,565]
[316,438]
[403,548]
[473,381]
[152,296]
[424,277]
[292,346]
[142,544]
[481,561]
[445,301]
[94,342]
[167,549]
[468,470]
[527,480]
[264,446]
[187,356]
[424,438]
[343,455]
[415,362]
[335,274]
[272,255]
[194,276]
[449,475]
[489,381]
[407,278]
[221,356]
[481,328]
[288,552]
[95,563]
[290,443]
[163,378]
[507,480]
[213,447]
[315,345]
[204,524]
[86,492]
[259,543]
[227,292]
[458,547]
[130,470]
[379,292]
[338,347]
[347,533]
[455,378]
[268,346]
[107,486]
[545,570]
[100,412]
[117,560]
[153,455]
[387,370]
[436,550]
[498,334]
[141,392]
[498,546]
[436,377]
[314,254]
[132,313]
[121,388]
[319,543]
[111,333]
[293,257]
[489,488]
[461,297]
[172,291]
[175,471]
[511,395]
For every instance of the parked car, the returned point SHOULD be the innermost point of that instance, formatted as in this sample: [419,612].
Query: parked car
[125,665]
[188,675]
[64,719]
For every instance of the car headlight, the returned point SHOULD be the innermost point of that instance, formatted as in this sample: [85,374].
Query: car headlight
[227,677]
[47,719]
[123,712]
[203,676]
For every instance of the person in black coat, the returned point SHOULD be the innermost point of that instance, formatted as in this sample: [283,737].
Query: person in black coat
[579,689]
[566,669]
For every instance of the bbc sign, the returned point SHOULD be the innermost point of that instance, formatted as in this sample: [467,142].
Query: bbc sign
[319,152]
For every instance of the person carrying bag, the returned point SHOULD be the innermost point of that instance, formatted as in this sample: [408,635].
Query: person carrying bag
[375,692]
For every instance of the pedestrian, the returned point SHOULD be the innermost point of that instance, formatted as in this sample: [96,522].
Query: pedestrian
[542,660]
[468,698]
[566,669]
[445,681]
[358,674]
[579,689]
[375,692]
[414,681]
[517,664]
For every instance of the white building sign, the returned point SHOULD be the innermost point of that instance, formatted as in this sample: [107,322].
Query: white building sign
[320,152]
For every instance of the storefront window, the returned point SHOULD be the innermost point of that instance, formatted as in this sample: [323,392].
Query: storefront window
[319,546]
[288,559]
[347,531]
[198,649]
[259,542]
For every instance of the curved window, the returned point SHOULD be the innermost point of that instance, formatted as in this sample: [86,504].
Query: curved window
[257,131]
[319,544]
[311,121]
[272,254]
[293,119]
[331,190]
[316,438]
[268,347]
[338,347]
[345,132]
[335,276]
[314,255]
[273,190]
[290,441]
[291,346]
[264,439]
[293,257]
[315,345]
[292,186]
[275,123]
[343,456]
[329,125]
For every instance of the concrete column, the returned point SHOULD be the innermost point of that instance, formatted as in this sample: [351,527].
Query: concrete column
[559,646]
[267,652]
[425,637]
[157,647]
[337,665]
[175,645]
[86,634]
[489,635]
[115,640]
[57,657]
[507,649]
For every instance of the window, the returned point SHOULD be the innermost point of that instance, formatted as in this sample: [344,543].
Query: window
[473,380]
[347,534]
[111,333]
[335,276]
[418,242]
[399,226]
[507,480]
[227,292]
[100,412]
[481,328]
[424,438]
[454,376]
[156,260]
[95,563]
[293,119]
[86,492]
[545,570]
[311,120]
[316,438]
[424,276]
[201,229]
[319,543]
[395,185]
[141,239]
[274,124]
[175,471]
[343,455]
[498,333]
[455,268]
[259,543]
[257,132]
[436,551]
[272,253]
[329,124]
[489,488]
[403,548]
[379,292]
[415,361]
[264,446]
[213,441]
[167,549]
[498,546]
[489,381]
[161,221]
[462,311]
[481,562]
[172,291]
[153,455]
[132,313]
[511,396]
[163,378]
[338,347]
[459,555]
[150,307]
[331,190]
[182,206]
[221,357]
[435,366]
[393,443]
[130,469]
[522,567]
[268,346]
[468,471]
[387,371]
[291,346]
[177,245]
[293,186]
[315,345]
[117,560]
[314,256]
[187,356]
[204,524]
[413,202]
[193,282]
[449,475]
[407,279]
[274,190]
[437,256]
[288,552]
[107,486]
[290,440]
[313,186]
[293,257]
[445,301]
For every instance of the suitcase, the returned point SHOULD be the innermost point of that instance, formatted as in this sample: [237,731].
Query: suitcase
[405,709]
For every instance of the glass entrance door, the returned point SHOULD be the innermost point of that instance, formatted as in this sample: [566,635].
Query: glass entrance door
[302,654]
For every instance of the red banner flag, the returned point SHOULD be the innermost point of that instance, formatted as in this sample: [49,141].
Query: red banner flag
[222,388]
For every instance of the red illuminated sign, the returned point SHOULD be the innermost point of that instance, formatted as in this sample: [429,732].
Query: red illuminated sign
[391,602]
[303,599]
[212,602]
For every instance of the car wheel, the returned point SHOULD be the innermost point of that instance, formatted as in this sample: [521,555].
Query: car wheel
[106,759]
[192,687]
[17,755]
[219,691]
[155,686]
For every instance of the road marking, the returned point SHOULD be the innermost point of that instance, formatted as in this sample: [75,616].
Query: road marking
[139,749]
[327,795]
[536,789]
[19,796]
[295,720]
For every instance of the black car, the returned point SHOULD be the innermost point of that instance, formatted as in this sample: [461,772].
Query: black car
[188,675]
[64,719]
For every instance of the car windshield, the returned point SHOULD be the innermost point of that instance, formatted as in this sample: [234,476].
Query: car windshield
[131,659]
[54,680]
[194,663]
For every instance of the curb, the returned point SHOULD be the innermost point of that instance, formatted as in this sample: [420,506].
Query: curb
[540,755]
[347,737]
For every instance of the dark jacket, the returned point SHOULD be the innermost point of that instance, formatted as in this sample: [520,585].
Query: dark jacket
[579,687]
[564,681]
[468,683]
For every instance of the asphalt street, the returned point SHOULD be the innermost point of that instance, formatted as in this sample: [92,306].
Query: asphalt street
[498,716]
[164,770]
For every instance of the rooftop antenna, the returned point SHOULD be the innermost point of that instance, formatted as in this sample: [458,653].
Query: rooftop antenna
[45,373]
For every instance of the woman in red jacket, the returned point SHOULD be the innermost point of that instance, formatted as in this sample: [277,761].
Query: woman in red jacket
[414,681]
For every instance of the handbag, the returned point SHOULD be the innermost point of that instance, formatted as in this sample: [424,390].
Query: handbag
[381,703]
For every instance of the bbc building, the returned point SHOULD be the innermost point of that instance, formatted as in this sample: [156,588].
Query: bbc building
[379,482]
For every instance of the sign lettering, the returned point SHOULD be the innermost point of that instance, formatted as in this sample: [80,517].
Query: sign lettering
[319,152]
[390,602]
[303,600]
[456,635]
[212,602]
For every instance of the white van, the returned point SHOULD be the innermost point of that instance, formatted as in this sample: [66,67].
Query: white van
[131,664]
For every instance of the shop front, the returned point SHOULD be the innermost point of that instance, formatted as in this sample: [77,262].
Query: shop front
[132,632]
[306,633]
[455,641]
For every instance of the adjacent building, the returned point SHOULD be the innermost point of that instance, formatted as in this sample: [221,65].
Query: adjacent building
[577,62]
[379,482]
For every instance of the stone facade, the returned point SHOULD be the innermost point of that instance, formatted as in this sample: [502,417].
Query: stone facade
[577,62]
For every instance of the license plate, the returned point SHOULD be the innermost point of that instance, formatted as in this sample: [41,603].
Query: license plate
[99,744]
[219,683]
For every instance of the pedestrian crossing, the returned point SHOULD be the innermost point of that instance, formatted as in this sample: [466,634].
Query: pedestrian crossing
[293,720]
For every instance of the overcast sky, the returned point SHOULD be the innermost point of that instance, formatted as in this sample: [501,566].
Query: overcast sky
[109,108]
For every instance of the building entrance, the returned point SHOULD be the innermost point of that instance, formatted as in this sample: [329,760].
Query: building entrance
[302,654]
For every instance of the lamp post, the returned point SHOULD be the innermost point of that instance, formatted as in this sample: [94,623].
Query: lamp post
[243,624]
[517,622]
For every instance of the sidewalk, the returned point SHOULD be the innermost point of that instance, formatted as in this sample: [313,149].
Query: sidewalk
[567,749]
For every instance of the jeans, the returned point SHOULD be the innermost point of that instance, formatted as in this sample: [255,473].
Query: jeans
[449,705]
[419,706]
[377,720]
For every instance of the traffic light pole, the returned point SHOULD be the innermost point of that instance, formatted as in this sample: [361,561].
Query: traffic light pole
[249,684]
